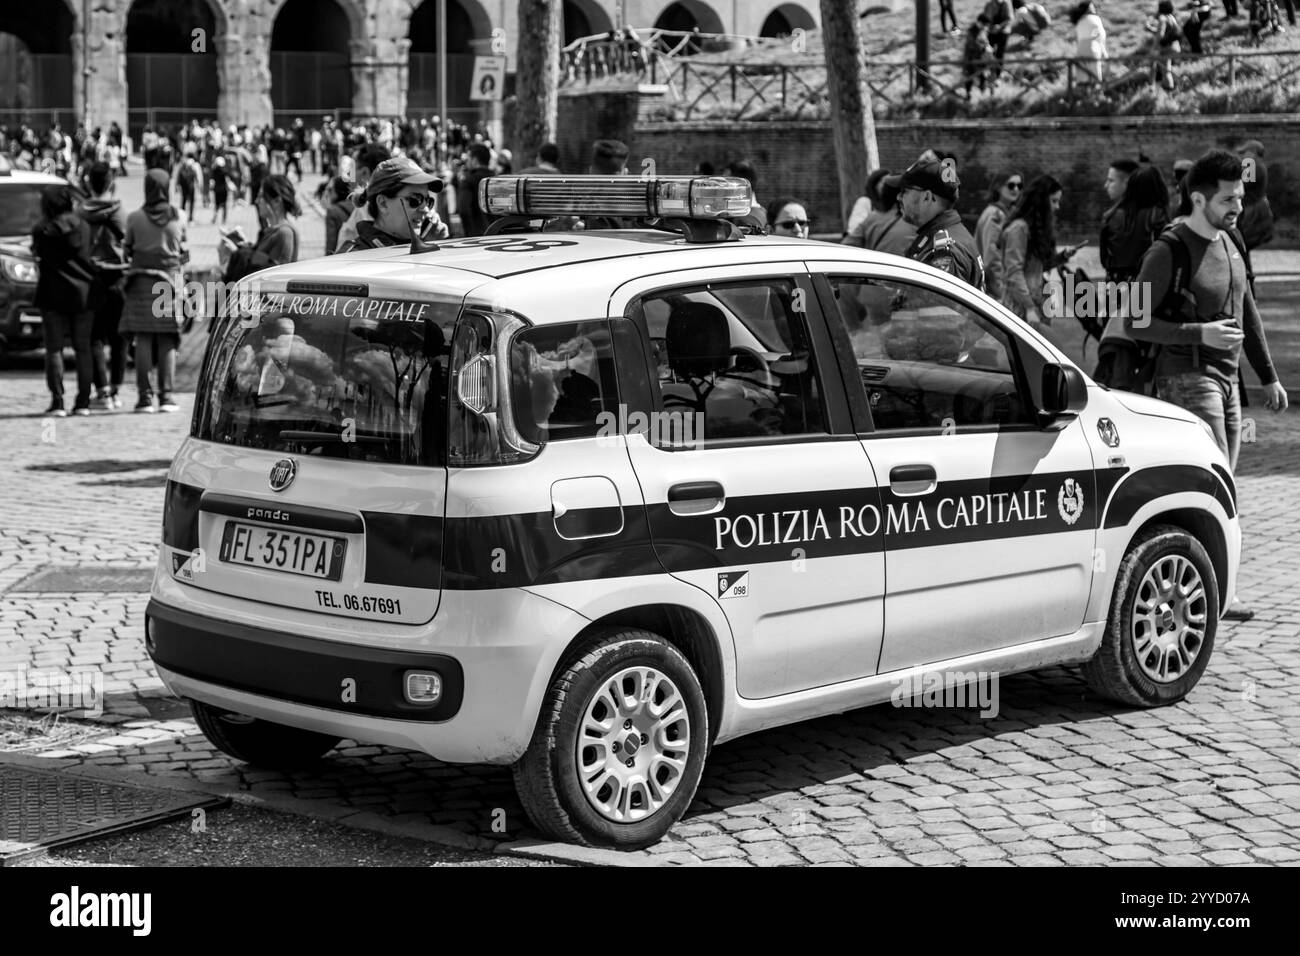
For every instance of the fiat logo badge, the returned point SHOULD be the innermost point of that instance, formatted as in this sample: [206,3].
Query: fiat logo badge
[282,474]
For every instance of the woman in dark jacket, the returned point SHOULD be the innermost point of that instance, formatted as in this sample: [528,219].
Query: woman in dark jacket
[1127,231]
[278,241]
[61,244]
[152,311]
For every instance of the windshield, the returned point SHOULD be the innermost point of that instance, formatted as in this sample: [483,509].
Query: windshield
[20,208]
[364,379]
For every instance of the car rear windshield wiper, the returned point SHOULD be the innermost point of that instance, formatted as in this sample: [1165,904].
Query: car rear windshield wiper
[292,435]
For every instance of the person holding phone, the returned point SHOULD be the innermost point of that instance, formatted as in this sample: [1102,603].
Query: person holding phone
[1201,341]
[1201,347]
[278,241]
[398,199]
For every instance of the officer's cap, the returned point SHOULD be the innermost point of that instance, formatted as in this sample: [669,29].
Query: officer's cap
[935,176]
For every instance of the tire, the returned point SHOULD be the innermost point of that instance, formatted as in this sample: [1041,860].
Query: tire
[1129,666]
[261,742]
[617,810]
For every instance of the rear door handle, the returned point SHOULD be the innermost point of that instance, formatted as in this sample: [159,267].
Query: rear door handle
[909,480]
[696,497]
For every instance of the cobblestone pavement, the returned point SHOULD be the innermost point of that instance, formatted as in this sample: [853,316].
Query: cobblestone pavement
[1056,777]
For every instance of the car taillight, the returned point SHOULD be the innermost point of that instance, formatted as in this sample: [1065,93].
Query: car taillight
[482,429]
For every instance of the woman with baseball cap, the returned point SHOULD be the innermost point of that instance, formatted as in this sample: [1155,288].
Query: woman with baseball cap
[399,200]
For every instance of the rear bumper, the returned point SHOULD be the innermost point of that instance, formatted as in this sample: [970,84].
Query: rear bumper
[348,678]
[288,667]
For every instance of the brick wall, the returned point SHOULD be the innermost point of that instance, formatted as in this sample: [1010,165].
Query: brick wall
[795,158]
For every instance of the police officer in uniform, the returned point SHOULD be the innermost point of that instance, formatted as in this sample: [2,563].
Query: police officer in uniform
[927,194]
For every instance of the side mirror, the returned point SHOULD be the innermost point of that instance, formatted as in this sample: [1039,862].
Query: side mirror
[1065,392]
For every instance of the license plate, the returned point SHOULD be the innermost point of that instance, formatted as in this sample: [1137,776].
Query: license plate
[278,549]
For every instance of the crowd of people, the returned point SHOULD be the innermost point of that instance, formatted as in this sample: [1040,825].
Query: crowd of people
[1169,32]
[112,283]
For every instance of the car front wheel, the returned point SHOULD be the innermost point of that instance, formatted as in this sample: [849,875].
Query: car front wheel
[1164,614]
[619,747]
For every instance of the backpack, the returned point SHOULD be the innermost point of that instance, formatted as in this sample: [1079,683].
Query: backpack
[1256,223]
[1170,309]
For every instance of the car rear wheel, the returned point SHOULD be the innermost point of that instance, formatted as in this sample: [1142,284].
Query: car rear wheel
[261,742]
[1164,615]
[619,747]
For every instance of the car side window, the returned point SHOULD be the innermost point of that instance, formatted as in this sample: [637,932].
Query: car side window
[563,381]
[927,361]
[734,360]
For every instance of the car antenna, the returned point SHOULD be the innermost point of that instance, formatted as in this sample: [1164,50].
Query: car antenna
[418,243]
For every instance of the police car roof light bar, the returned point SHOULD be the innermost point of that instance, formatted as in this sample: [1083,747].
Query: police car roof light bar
[674,197]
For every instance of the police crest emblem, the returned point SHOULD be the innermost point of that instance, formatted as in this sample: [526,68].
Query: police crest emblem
[1069,501]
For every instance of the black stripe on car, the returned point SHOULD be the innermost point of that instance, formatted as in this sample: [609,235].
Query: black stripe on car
[403,550]
[516,550]
[1148,484]
[180,526]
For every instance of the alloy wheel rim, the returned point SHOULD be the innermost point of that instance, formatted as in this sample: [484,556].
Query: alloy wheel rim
[633,744]
[1170,613]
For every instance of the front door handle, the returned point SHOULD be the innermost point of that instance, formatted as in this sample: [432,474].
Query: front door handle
[689,498]
[909,480]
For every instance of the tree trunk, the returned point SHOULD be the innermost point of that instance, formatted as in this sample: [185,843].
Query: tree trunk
[852,122]
[537,77]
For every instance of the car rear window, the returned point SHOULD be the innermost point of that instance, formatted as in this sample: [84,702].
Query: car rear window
[362,379]
[20,208]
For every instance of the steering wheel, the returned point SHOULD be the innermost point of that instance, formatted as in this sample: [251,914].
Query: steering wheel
[759,365]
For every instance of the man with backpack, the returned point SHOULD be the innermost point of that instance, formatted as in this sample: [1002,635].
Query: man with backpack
[1206,315]
[104,215]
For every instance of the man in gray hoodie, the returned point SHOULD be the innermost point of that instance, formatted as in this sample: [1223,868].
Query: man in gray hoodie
[103,213]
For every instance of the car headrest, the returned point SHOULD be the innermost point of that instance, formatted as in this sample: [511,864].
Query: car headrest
[698,339]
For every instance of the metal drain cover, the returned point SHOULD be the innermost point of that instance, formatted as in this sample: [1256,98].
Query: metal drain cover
[66,579]
[42,809]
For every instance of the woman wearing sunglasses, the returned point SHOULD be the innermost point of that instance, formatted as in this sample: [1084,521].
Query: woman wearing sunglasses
[1004,193]
[399,199]
[788,217]
[276,244]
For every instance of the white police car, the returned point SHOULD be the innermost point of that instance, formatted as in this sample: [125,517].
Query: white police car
[588,503]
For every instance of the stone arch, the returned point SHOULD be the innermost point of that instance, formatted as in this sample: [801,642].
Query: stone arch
[785,19]
[467,21]
[315,48]
[354,10]
[40,29]
[585,18]
[39,61]
[687,15]
[469,32]
[171,68]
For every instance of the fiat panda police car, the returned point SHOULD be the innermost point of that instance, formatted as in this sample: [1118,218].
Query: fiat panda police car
[588,503]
